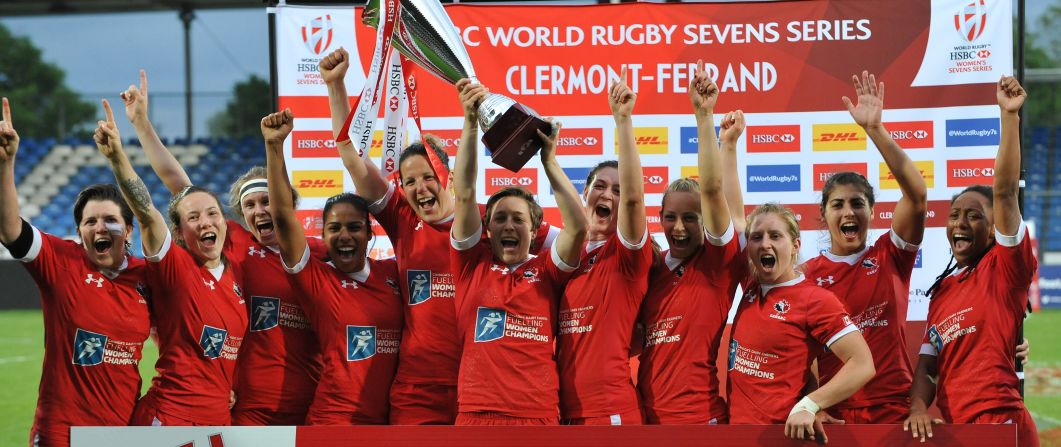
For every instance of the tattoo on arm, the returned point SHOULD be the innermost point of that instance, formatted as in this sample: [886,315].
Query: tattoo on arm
[136,192]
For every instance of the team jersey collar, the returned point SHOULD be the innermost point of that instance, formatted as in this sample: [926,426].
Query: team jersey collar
[217,271]
[111,274]
[515,266]
[593,245]
[850,259]
[360,276]
[671,261]
[766,288]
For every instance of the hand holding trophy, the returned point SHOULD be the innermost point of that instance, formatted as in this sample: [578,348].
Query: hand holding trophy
[424,33]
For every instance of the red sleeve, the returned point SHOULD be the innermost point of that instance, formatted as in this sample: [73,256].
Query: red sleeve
[309,280]
[902,260]
[827,320]
[48,258]
[634,261]
[317,248]
[1015,267]
[392,210]
[728,260]
[238,240]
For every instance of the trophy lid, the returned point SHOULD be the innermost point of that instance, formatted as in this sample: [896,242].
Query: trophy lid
[425,34]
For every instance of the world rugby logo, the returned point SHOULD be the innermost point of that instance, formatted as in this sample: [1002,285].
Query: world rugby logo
[317,34]
[971,20]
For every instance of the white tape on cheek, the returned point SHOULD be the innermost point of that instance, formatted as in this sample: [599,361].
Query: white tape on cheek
[115,229]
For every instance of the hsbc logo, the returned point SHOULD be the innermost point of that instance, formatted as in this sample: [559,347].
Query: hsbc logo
[655,179]
[498,179]
[773,138]
[317,34]
[971,20]
[962,173]
[587,141]
[393,103]
[911,134]
[451,139]
[313,144]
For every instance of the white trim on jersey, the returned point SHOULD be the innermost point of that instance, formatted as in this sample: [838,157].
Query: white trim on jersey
[301,264]
[630,246]
[34,247]
[559,262]
[550,237]
[928,349]
[765,288]
[167,243]
[1011,241]
[721,240]
[468,243]
[901,244]
[846,330]
[377,206]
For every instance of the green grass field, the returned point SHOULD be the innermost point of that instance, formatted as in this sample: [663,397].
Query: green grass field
[20,371]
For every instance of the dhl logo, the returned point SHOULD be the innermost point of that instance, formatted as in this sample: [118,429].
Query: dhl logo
[649,140]
[838,137]
[690,172]
[318,183]
[927,168]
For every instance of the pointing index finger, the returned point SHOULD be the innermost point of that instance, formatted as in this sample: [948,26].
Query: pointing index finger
[143,82]
[7,113]
[110,113]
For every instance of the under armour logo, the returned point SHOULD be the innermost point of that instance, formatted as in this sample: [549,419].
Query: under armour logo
[827,279]
[751,294]
[419,225]
[92,279]
[260,253]
[350,284]
[209,284]
[498,268]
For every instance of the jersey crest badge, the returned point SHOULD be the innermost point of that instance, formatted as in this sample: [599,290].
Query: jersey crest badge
[88,348]
[265,313]
[212,341]
[531,275]
[490,324]
[780,309]
[419,286]
[360,342]
[871,265]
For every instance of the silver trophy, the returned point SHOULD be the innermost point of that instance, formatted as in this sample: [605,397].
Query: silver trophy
[425,34]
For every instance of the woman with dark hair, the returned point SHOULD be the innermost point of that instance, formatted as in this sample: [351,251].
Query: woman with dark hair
[352,302]
[279,362]
[781,322]
[872,279]
[93,299]
[506,297]
[416,212]
[690,294]
[200,313]
[979,301]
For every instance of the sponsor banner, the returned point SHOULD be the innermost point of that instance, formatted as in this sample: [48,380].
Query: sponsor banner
[838,137]
[578,177]
[962,173]
[967,43]
[313,144]
[1050,286]
[692,172]
[451,139]
[773,178]
[773,138]
[498,179]
[656,179]
[911,134]
[973,132]
[822,172]
[551,216]
[652,217]
[690,139]
[927,168]
[317,183]
[588,141]
[810,218]
[649,140]
[311,220]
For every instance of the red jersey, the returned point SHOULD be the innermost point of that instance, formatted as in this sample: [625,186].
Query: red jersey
[201,319]
[430,352]
[684,314]
[95,324]
[972,329]
[874,286]
[597,316]
[777,331]
[506,317]
[279,362]
[358,318]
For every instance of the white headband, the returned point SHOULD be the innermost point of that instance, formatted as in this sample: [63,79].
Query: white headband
[253,186]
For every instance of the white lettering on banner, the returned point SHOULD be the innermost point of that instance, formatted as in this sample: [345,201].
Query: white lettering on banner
[526,80]
[394,116]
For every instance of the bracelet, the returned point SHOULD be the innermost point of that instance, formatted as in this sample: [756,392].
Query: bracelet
[805,404]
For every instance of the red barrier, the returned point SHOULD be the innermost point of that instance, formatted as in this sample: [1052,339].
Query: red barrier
[670,436]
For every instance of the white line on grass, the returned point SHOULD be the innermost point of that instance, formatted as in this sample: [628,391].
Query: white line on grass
[15,359]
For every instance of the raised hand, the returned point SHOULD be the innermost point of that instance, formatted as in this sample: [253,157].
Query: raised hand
[276,126]
[1010,94]
[867,113]
[702,91]
[549,148]
[108,141]
[731,127]
[8,136]
[333,66]
[471,96]
[621,98]
[135,100]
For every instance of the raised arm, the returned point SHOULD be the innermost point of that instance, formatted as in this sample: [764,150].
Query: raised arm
[631,212]
[569,242]
[466,219]
[704,93]
[908,221]
[10,222]
[166,167]
[1007,163]
[275,129]
[368,179]
[922,393]
[732,127]
[153,229]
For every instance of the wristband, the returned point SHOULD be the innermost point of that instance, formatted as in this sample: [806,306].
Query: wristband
[805,404]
